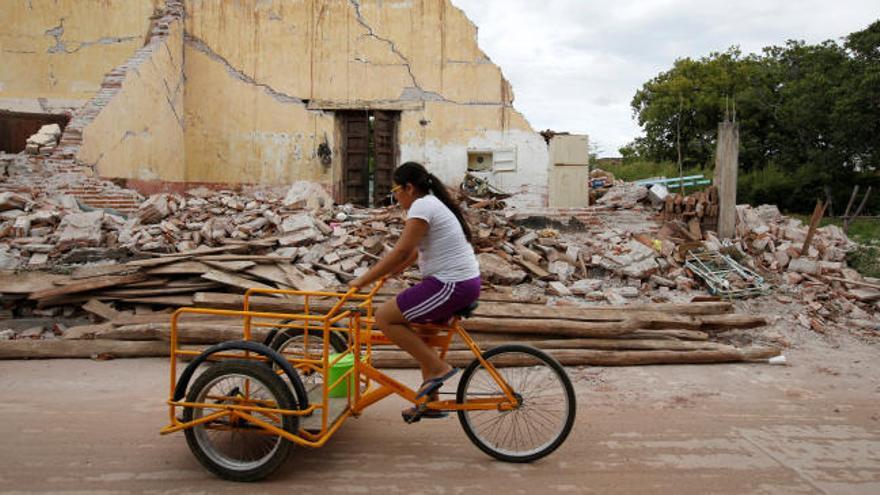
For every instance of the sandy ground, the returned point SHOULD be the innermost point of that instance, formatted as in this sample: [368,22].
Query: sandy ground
[810,427]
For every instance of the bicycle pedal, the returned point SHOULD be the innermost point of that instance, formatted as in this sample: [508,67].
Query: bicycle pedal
[410,417]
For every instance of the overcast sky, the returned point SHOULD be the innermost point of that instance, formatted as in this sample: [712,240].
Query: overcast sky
[576,64]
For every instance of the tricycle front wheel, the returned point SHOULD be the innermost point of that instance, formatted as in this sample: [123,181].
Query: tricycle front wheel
[546,406]
[233,448]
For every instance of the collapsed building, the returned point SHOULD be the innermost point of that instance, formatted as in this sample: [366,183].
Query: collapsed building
[165,95]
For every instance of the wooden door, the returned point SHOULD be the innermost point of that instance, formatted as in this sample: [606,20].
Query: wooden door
[385,149]
[355,168]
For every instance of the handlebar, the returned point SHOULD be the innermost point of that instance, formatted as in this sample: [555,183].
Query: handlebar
[378,285]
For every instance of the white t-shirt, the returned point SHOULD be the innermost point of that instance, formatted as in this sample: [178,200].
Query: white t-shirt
[444,252]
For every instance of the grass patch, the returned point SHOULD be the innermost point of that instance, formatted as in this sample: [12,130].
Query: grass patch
[865,259]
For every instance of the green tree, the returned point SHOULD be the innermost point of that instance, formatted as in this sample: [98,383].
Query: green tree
[810,111]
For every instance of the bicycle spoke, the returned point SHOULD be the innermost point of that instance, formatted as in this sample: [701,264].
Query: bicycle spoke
[542,417]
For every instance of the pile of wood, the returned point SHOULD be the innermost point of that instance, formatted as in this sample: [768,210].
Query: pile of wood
[699,210]
[603,335]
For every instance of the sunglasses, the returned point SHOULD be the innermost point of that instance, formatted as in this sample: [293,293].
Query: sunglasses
[395,188]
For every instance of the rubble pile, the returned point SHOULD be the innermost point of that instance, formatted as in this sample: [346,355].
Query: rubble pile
[205,248]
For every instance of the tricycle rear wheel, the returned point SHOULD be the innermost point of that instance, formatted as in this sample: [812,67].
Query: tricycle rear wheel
[232,448]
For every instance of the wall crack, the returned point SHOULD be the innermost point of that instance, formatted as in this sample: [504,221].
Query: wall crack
[238,74]
[60,46]
[370,33]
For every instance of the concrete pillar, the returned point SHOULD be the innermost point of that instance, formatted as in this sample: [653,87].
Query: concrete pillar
[726,165]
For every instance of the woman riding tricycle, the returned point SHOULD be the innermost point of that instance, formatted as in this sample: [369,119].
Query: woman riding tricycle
[314,369]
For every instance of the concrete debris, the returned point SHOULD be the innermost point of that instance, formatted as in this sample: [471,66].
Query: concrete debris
[309,195]
[221,241]
[12,201]
[624,195]
[80,230]
[497,271]
[44,141]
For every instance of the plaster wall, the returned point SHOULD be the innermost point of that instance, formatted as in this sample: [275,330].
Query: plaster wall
[264,79]
[139,133]
[242,131]
[59,50]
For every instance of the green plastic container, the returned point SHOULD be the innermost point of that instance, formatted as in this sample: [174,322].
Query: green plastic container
[338,369]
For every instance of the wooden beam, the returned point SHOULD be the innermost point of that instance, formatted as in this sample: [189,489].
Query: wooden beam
[42,349]
[818,212]
[87,285]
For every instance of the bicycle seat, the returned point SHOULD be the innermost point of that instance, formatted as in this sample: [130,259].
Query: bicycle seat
[468,311]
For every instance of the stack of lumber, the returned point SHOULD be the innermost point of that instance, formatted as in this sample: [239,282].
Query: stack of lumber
[606,335]
[598,335]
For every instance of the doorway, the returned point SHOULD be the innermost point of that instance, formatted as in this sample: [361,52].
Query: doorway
[369,140]
[17,127]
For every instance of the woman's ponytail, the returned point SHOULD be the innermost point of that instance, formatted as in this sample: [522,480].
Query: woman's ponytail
[439,190]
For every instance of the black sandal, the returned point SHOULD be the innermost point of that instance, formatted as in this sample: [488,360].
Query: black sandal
[414,414]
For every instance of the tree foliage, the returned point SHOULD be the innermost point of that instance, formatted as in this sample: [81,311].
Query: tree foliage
[811,111]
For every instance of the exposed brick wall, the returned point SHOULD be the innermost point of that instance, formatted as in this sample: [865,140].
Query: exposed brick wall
[61,172]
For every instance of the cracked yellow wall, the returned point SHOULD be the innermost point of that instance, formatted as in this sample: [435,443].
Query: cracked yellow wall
[139,134]
[61,49]
[251,64]
[240,132]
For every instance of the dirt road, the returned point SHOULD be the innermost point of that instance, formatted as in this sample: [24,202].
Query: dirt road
[812,427]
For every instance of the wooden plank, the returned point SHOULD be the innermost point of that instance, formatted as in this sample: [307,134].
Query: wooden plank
[261,303]
[563,328]
[244,257]
[153,262]
[532,267]
[203,250]
[82,332]
[157,317]
[151,282]
[345,276]
[731,321]
[128,293]
[230,266]
[87,285]
[99,270]
[271,273]
[234,280]
[187,332]
[598,313]
[181,268]
[583,357]
[28,282]
[300,281]
[173,301]
[818,213]
[694,228]
[104,349]
[100,309]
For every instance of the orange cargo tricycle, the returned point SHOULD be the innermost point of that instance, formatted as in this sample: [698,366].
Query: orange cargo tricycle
[312,370]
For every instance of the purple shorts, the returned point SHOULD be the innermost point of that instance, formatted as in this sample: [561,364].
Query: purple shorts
[433,301]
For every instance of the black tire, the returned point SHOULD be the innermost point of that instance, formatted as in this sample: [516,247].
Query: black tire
[284,338]
[547,398]
[206,443]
